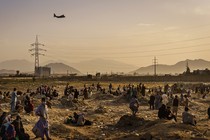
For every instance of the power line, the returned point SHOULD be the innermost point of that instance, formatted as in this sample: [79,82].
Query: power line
[174,30]
[157,44]
[167,54]
[173,42]
[155,50]
[140,56]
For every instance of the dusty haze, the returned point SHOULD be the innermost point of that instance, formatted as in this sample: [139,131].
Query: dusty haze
[131,32]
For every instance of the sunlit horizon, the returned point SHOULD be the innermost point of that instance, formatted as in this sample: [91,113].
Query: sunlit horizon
[132,32]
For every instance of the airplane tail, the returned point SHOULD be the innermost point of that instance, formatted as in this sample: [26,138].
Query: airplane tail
[54,15]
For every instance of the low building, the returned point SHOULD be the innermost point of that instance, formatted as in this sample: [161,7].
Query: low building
[42,71]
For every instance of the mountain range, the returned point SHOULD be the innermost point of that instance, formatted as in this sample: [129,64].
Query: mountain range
[103,66]
[60,68]
[17,64]
[177,68]
[89,66]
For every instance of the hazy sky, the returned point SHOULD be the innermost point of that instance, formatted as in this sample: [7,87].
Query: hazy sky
[130,31]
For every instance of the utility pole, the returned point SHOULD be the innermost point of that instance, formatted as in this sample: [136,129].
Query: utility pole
[36,52]
[155,62]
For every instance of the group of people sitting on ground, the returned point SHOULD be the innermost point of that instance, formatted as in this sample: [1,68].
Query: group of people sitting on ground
[16,105]
[78,120]
[48,91]
[12,129]
[163,102]
[165,113]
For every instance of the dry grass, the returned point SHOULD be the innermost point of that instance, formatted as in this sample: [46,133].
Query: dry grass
[104,126]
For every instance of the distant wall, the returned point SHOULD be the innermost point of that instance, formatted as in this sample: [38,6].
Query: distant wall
[205,78]
[143,78]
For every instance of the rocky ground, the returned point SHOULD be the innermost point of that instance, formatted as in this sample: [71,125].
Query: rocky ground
[112,118]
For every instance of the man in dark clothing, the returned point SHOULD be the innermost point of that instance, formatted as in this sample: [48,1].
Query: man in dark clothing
[76,117]
[110,88]
[28,106]
[164,113]
[76,94]
[2,118]
[85,93]
[209,112]
[143,89]
[55,93]
[170,115]
[20,132]
[175,105]
[151,102]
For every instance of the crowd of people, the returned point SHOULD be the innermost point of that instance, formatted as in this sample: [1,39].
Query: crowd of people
[167,100]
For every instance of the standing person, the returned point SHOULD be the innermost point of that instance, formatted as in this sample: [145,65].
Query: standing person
[110,88]
[13,100]
[157,101]
[85,93]
[143,89]
[175,105]
[186,102]
[165,99]
[152,102]
[182,98]
[41,128]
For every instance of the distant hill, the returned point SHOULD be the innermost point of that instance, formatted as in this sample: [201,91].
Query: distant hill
[60,68]
[4,71]
[179,67]
[21,65]
[103,66]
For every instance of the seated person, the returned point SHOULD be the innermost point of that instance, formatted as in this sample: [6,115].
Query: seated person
[164,113]
[188,118]
[5,125]
[81,120]
[170,115]
[9,132]
[20,132]
[76,116]
[78,119]
[134,105]
[2,118]
[19,107]
[28,106]
[55,93]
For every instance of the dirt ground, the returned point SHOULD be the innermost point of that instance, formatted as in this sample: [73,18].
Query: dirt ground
[111,116]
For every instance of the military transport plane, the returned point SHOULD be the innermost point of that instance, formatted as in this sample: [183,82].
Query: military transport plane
[61,16]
